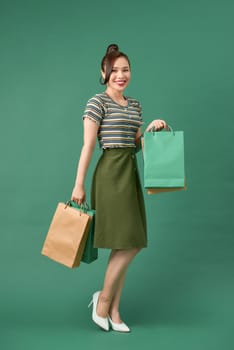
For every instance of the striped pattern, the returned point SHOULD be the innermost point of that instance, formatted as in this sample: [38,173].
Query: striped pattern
[118,125]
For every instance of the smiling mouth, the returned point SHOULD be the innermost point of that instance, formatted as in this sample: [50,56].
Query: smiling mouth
[120,82]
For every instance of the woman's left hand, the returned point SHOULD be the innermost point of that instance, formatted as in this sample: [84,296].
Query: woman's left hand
[157,124]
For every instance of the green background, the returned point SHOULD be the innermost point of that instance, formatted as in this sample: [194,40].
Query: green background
[179,291]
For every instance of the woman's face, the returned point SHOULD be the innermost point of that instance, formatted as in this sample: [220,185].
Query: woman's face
[120,75]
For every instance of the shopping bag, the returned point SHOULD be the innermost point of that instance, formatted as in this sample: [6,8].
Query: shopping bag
[164,168]
[67,235]
[90,253]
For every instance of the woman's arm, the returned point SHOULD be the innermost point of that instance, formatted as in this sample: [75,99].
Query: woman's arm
[138,140]
[90,135]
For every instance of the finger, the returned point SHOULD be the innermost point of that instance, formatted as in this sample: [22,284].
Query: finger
[161,122]
[149,128]
[76,200]
[81,201]
[160,125]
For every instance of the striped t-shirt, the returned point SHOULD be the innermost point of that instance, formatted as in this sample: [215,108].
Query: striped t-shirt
[118,124]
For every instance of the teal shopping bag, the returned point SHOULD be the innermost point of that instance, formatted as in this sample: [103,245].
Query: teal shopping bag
[164,168]
[90,253]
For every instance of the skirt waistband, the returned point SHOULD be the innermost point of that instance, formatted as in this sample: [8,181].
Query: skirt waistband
[131,150]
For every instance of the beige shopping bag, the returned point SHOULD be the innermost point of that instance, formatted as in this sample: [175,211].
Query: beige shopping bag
[67,235]
[160,190]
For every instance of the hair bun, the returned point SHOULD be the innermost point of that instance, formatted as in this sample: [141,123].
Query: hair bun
[112,48]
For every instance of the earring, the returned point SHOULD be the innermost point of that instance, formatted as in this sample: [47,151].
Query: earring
[101,81]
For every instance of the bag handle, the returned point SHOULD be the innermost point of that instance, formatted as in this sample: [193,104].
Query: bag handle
[84,207]
[168,128]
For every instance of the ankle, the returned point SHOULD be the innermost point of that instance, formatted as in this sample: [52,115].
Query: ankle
[115,316]
[103,305]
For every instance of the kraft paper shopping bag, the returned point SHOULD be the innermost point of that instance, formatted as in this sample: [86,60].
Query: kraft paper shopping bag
[67,235]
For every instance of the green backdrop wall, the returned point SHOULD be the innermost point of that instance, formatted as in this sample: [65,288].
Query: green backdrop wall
[179,291]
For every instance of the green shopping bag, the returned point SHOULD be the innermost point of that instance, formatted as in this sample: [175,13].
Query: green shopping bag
[90,253]
[164,161]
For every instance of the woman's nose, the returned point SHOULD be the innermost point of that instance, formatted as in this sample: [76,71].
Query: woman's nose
[120,74]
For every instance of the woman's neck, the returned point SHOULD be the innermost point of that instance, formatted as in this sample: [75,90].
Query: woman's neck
[117,96]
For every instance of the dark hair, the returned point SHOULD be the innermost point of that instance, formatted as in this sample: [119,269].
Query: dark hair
[112,53]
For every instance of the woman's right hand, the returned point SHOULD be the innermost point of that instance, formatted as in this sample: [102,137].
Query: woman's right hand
[78,194]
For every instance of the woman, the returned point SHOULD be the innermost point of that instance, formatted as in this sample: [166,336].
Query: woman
[116,191]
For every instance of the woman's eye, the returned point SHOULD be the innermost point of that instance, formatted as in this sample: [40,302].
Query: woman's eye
[123,70]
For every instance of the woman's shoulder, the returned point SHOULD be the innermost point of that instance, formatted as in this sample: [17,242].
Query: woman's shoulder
[96,102]
[97,97]
[133,101]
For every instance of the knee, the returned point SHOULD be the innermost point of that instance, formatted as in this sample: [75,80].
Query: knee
[138,250]
[135,251]
[125,253]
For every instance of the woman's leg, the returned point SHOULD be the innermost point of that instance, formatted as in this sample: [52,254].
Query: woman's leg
[113,283]
[114,307]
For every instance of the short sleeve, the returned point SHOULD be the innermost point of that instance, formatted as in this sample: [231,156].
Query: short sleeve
[138,109]
[140,113]
[94,110]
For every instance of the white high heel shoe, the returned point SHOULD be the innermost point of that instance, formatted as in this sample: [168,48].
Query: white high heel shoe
[119,327]
[100,321]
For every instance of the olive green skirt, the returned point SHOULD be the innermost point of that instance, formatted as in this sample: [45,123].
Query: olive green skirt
[116,195]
